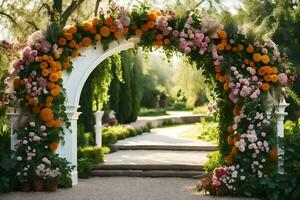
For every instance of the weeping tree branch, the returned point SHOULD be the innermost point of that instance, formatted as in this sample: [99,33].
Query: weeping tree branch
[9,17]
[96,8]
[49,10]
[71,8]
[33,25]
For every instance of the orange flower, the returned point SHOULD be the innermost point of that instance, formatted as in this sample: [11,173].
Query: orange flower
[55,91]
[240,47]
[145,28]
[46,114]
[87,26]
[236,109]
[66,65]
[73,29]
[125,30]
[118,34]
[39,59]
[138,32]
[58,65]
[220,47]
[222,34]
[158,43]
[95,21]
[56,55]
[265,59]
[234,150]
[36,109]
[268,78]
[62,41]
[274,78]
[51,85]
[151,24]
[218,68]
[269,70]
[75,53]
[246,61]
[224,42]
[45,72]
[252,64]
[226,86]
[152,16]
[159,36]
[113,28]
[104,31]
[48,104]
[49,99]
[53,77]
[229,159]
[257,57]
[250,49]
[275,70]
[50,59]
[133,27]
[43,65]
[53,146]
[262,71]
[273,154]
[230,129]
[108,21]
[68,36]
[228,47]
[167,41]
[73,44]
[93,30]
[86,41]
[57,123]
[97,37]
[44,57]
[50,123]
[265,86]
[17,82]
[234,49]
[230,140]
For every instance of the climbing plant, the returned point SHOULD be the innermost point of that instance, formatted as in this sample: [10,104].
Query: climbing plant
[246,72]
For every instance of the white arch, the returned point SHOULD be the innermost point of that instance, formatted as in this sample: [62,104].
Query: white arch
[73,82]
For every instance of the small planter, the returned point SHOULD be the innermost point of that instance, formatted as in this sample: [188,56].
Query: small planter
[38,185]
[25,187]
[51,185]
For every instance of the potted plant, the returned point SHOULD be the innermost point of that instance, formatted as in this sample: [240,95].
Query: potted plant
[51,179]
[38,182]
[23,176]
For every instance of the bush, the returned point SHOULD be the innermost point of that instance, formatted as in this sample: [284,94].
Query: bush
[201,110]
[208,131]
[84,168]
[214,160]
[152,112]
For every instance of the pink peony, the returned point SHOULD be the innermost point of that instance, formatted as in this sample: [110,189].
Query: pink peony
[283,79]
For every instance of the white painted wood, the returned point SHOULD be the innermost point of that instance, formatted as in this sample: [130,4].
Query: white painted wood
[13,117]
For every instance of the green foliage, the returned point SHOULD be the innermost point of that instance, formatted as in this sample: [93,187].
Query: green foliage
[214,161]
[7,172]
[152,112]
[84,168]
[201,110]
[208,131]
[114,87]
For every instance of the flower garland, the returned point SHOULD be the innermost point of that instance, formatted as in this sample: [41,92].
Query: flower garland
[244,70]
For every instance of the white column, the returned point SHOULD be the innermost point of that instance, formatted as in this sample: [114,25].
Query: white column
[280,132]
[68,147]
[13,117]
[98,128]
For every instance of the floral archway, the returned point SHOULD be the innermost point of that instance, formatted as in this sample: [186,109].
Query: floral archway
[244,70]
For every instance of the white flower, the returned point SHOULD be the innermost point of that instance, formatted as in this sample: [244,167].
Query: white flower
[31,134]
[25,173]
[18,173]
[32,124]
[19,158]
[25,142]
[46,161]
[242,178]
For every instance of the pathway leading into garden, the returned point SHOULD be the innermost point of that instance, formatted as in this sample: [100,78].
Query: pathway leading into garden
[164,152]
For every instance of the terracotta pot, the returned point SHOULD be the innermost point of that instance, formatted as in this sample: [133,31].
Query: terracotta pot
[25,187]
[38,185]
[52,185]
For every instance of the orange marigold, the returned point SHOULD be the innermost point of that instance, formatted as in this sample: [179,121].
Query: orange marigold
[97,37]
[138,32]
[46,114]
[265,86]
[87,26]
[53,77]
[236,109]
[104,31]
[73,44]
[222,34]
[43,65]
[262,71]
[275,70]
[50,124]
[229,159]
[228,47]
[44,57]
[230,129]
[218,68]
[257,57]
[158,43]
[240,47]
[75,53]
[151,24]
[36,109]
[73,29]
[234,150]
[274,78]
[152,16]
[167,41]
[273,154]
[226,86]
[86,41]
[118,34]
[53,146]
[55,91]
[51,85]
[159,36]
[95,21]
[230,140]
[17,82]
[220,47]
[68,36]
[250,49]
[49,98]
[113,28]
[45,72]
[145,28]
[62,41]
[125,30]
[108,21]
[265,59]
[66,65]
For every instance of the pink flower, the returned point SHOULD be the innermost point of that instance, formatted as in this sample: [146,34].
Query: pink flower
[216,182]
[43,128]
[283,78]
[175,33]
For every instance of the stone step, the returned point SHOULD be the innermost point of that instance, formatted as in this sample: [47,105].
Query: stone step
[144,167]
[164,147]
[148,173]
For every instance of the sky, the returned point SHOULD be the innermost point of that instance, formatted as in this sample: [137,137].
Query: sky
[231,5]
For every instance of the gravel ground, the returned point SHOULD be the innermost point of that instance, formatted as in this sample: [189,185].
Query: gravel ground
[122,188]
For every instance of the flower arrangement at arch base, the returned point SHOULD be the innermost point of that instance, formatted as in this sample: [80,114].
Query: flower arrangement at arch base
[243,70]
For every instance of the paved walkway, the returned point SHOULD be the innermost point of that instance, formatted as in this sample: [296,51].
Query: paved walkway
[122,188]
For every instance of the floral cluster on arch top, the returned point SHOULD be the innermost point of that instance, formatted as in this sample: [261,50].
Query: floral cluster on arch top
[245,70]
